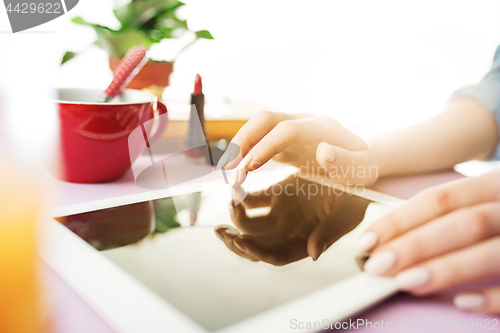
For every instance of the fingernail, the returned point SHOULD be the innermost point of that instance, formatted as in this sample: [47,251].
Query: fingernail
[232,210]
[329,152]
[245,162]
[237,244]
[412,278]
[366,242]
[230,231]
[233,179]
[238,177]
[242,177]
[361,260]
[380,262]
[238,194]
[469,301]
[319,250]
[223,231]
[223,160]
[219,233]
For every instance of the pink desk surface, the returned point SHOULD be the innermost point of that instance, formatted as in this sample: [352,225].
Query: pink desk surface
[69,313]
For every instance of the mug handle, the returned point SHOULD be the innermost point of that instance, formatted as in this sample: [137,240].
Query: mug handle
[163,119]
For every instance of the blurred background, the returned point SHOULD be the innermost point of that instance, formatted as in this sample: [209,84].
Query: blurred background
[371,64]
[374,65]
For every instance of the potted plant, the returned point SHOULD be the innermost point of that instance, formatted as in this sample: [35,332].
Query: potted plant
[143,22]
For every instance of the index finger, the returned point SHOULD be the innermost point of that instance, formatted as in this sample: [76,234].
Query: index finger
[429,205]
[257,128]
[303,131]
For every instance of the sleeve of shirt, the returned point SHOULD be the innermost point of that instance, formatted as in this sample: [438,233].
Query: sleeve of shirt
[487,93]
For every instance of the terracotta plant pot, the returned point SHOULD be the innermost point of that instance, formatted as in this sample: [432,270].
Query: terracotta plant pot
[154,75]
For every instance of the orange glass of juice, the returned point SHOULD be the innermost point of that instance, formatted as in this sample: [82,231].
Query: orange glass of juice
[19,292]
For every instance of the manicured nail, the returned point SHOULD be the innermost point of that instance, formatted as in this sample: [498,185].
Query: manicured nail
[319,250]
[223,230]
[245,162]
[413,277]
[329,152]
[380,262]
[242,177]
[469,301]
[232,209]
[366,242]
[361,259]
[238,245]
[233,179]
[220,233]
[231,232]
[224,159]
[238,194]
[238,177]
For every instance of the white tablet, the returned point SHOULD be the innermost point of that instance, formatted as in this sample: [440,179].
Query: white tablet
[164,262]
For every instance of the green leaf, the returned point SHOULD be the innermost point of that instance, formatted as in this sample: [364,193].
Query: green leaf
[68,56]
[143,22]
[165,18]
[171,9]
[165,216]
[181,23]
[124,15]
[136,13]
[118,43]
[155,35]
[204,34]
[166,32]
[79,20]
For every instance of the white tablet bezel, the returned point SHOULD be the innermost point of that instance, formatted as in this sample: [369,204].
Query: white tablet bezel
[101,282]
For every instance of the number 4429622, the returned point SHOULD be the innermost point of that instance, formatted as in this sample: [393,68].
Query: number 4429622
[27,8]
[476,324]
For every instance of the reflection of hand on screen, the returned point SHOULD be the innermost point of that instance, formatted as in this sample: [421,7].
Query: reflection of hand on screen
[298,225]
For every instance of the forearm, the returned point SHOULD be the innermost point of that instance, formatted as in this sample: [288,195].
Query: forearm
[464,131]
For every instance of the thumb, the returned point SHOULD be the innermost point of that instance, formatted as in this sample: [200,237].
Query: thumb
[344,166]
[323,236]
[347,213]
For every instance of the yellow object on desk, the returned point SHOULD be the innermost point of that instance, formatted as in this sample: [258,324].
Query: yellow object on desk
[19,300]
[223,119]
[215,129]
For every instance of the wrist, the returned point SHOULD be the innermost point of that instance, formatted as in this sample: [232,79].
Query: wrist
[378,158]
[368,168]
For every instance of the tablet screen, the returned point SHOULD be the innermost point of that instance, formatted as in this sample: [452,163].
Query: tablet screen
[220,260]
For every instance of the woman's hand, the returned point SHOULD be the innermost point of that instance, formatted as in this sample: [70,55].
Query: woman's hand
[321,144]
[443,237]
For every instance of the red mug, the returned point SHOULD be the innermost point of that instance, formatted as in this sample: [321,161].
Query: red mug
[93,137]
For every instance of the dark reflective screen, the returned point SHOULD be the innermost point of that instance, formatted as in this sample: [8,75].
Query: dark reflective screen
[220,268]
